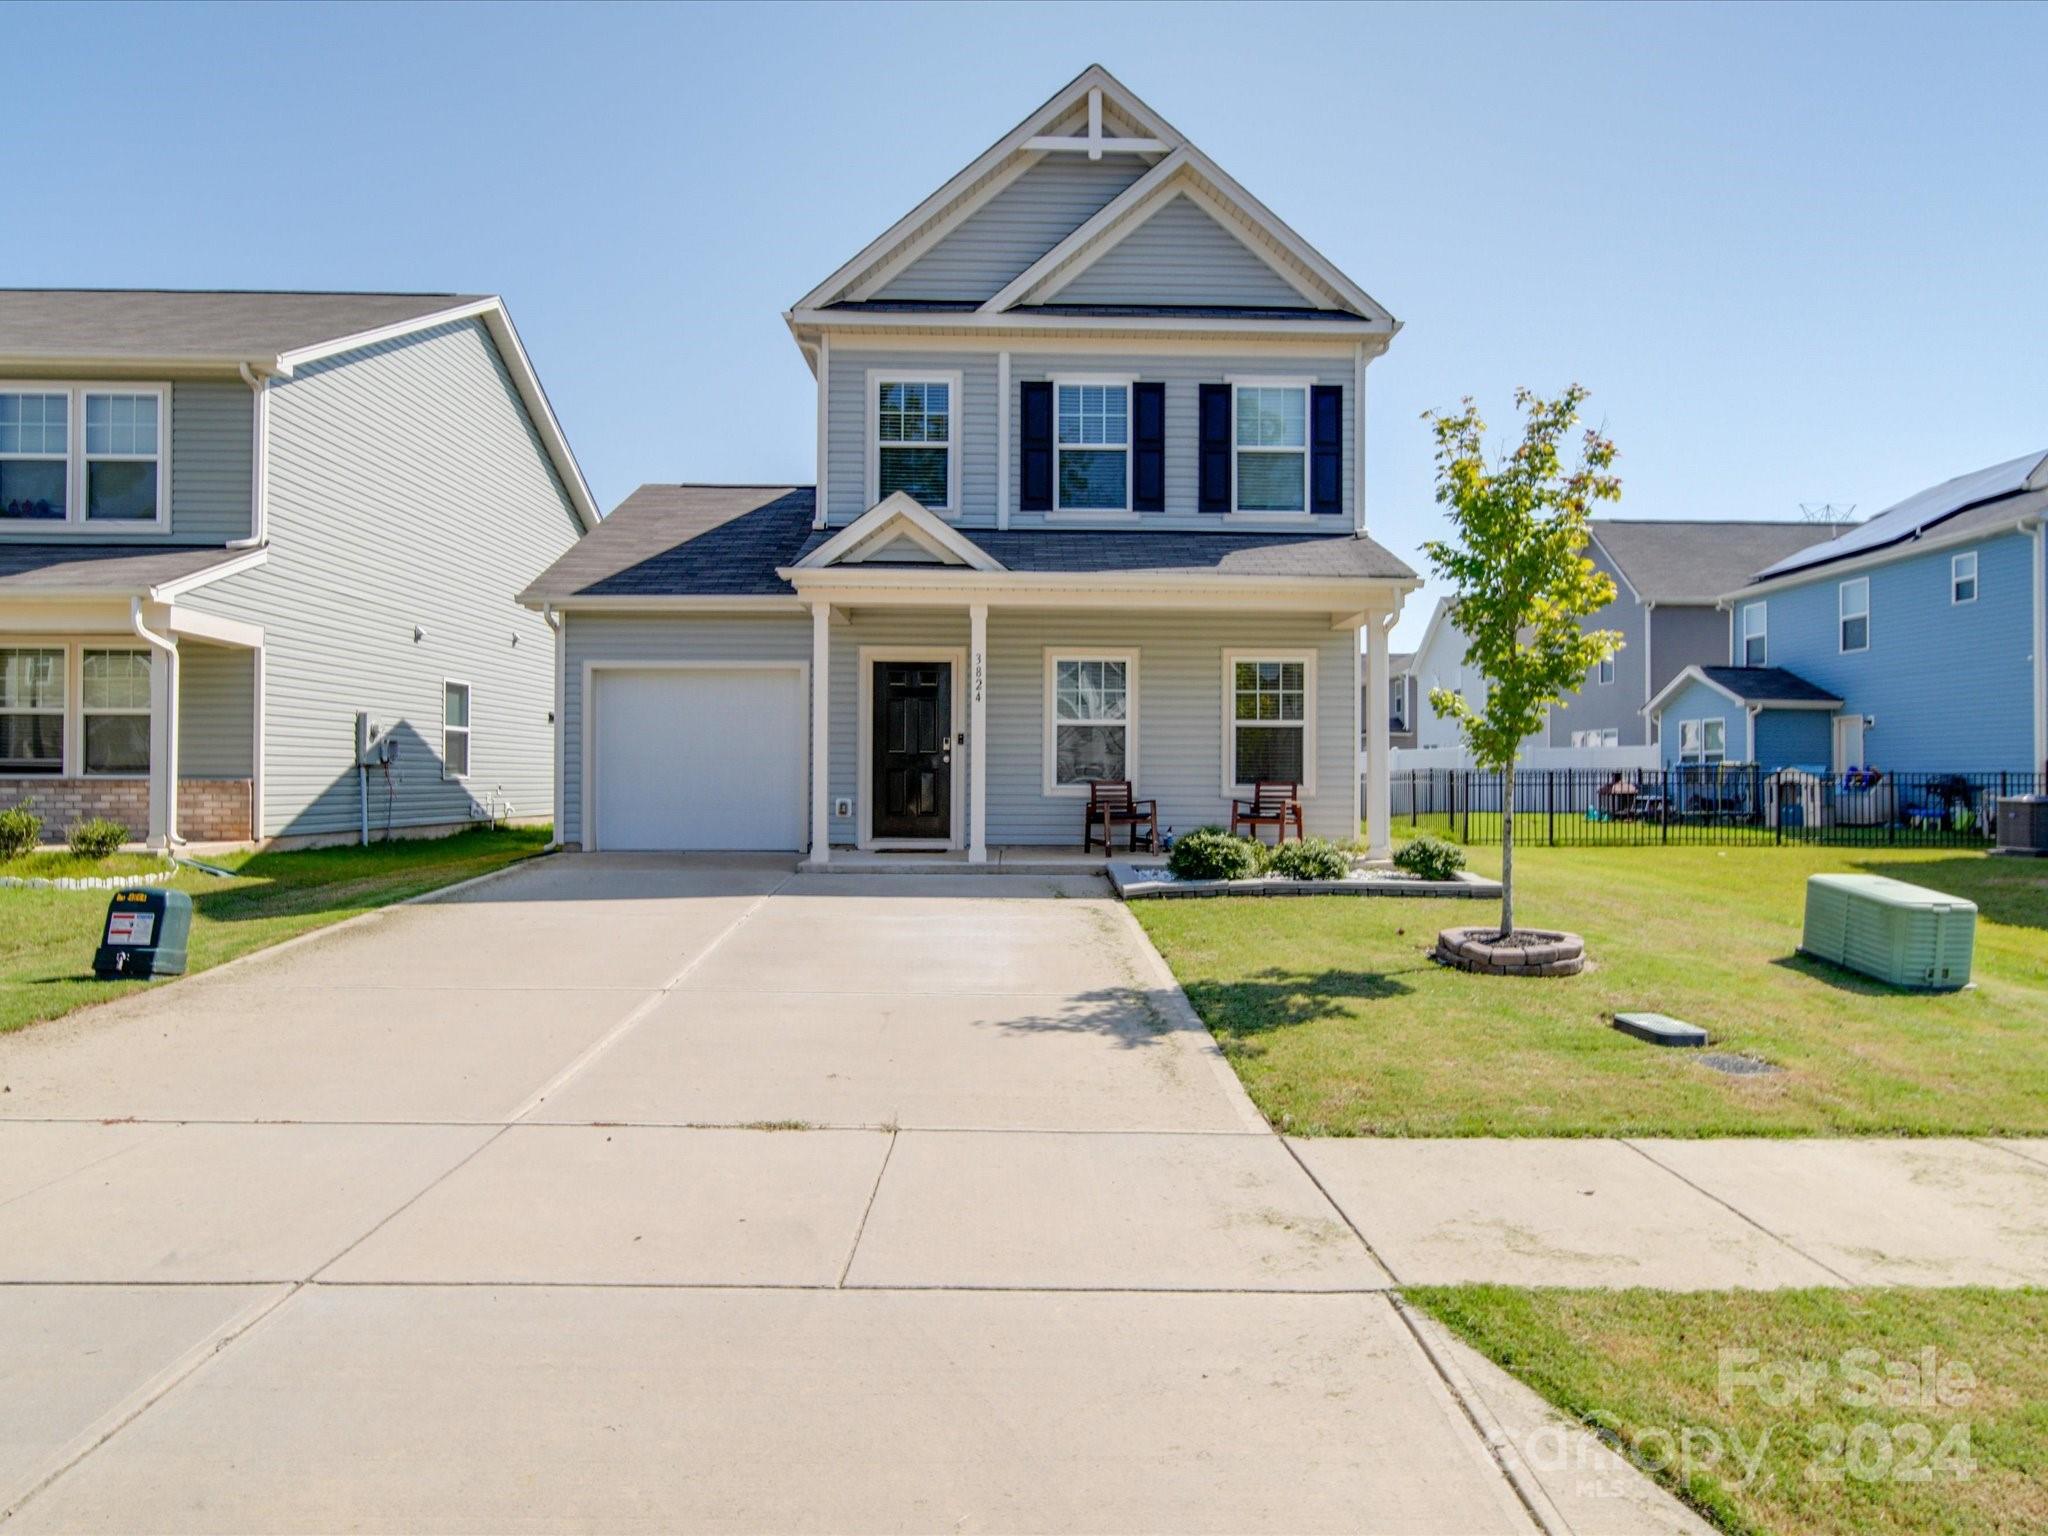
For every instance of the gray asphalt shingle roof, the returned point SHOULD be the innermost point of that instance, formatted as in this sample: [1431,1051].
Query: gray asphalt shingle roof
[1767,685]
[50,570]
[1670,561]
[728,540]
[1110,311]
[111,325]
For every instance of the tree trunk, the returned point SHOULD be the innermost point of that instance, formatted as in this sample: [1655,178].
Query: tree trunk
[1507,851]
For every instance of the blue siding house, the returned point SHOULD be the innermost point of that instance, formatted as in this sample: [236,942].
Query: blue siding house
[1912,644]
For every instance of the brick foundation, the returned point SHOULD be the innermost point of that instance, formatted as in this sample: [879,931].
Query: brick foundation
[209,810]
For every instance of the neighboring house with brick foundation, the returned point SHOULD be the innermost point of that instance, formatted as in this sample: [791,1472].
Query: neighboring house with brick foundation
[231,522]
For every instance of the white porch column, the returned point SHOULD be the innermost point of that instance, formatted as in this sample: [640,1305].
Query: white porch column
[1379,842]
[821,723]
[163,746]
[977,733]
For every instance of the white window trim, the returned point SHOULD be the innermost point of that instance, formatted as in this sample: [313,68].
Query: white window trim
[1706,758]
[1843,615]
[1956,578]
[1054,655]
[146,712]
[1308,715]
[1125,513]
[468,730]
[75,519]
[62,711]
[1306,384]
[1695,731]
[1743,635]
[74,647]
[1603,671]
[876,378]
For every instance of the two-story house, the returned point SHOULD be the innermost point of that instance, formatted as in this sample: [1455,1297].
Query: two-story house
[231,523]
[1668,577]
[1090,504]
[1915,643]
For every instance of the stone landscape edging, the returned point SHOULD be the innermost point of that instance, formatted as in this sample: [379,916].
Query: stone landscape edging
[1143,882]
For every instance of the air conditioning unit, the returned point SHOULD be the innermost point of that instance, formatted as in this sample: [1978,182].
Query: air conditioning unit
[2023,825]
[1903,934]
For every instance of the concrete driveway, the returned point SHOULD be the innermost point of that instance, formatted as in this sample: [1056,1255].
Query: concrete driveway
[635,1193]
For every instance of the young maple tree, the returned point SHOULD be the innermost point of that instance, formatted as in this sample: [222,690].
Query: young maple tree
[1520,581]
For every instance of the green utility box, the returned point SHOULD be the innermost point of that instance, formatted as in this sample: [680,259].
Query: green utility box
[1903,934]
[146,934]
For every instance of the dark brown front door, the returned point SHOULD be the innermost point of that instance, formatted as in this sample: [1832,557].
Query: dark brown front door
[913,746]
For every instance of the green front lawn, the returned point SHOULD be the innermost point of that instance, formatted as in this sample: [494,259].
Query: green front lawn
[47,937]
[1340,1024]
[1804,1413]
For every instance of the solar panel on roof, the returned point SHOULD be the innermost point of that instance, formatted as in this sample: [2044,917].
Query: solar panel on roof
[1920,510]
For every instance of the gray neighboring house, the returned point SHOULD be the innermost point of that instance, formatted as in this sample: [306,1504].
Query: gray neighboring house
[229,522]
[1089,504]
[1668,577]
[1401,702]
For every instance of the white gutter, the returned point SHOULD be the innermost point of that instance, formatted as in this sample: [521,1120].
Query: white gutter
[259,460]
[169,767]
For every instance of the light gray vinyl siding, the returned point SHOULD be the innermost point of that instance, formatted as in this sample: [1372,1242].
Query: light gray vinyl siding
[212,444]
[1180,255]
[1180,701]
[1615,706]
[848,494]
[659,638]
[1180,714]
[1014,228]
[216,711]
[410,499]
[1184,375]
[974,433]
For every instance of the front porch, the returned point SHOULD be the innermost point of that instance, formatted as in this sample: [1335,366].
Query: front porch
[1007,859]
[141,713]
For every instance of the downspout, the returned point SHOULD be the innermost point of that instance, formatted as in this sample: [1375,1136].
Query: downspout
[2040,648]
[259,461]
[1649,664]
[169,652]
[553,620]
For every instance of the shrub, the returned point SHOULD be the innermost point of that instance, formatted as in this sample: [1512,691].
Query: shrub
[1312,858]
[1210,853]
[20,830]
[1430,858]
[96,838]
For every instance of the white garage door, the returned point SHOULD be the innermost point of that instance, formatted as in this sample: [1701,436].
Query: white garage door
[699,758]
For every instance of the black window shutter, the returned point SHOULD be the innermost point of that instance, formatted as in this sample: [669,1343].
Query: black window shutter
[1148,447]
[1215,448]
[1326,448]
[1034,489]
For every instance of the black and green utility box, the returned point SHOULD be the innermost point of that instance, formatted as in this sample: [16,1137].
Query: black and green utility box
[146,933]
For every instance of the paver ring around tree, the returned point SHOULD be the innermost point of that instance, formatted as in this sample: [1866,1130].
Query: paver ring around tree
[1525,952]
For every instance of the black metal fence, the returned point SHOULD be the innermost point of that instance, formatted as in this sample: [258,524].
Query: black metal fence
[1711,803]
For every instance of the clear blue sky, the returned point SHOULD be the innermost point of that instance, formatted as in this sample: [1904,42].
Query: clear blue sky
[1798,254]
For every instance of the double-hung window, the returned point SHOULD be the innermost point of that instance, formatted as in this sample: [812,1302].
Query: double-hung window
[1853,606]
[32,710]
[1756,640]
[35,456]
[1091,699]
[1270,445]
[78,453]
[454,730]
[1268,717]
[1702,741]
[915,442]
[114,708]
[1962,578]
[1093,441]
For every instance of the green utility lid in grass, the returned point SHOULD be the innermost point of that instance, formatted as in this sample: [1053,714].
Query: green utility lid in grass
[1903,934]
